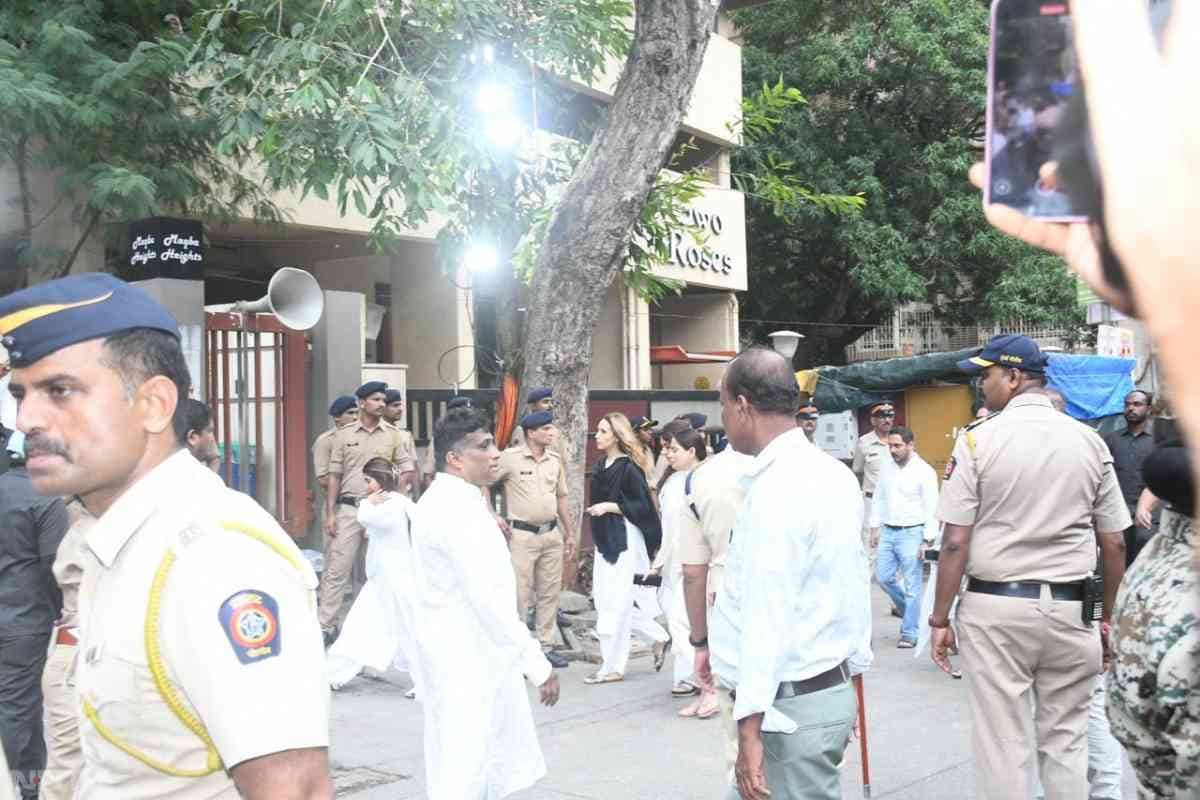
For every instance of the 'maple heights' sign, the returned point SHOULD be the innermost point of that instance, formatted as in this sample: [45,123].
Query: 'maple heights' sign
[168,248]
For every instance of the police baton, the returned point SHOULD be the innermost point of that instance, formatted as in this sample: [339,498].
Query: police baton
[862,735]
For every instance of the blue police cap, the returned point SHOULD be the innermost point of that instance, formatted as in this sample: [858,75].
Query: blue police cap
[695,419]
[1007,350]
[458,402]
[45,318]
[536,420]
[539,394]
[342,405]
[394,396]
[369,388]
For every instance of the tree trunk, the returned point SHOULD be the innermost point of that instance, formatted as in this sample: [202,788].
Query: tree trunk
[590,230]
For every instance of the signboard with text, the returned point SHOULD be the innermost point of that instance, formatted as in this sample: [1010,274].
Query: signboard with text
[711,250]
[166,247]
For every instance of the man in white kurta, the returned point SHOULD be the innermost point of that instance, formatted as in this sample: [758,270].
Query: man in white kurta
[480,742]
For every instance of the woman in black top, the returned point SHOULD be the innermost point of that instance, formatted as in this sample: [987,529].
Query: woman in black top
[627,534]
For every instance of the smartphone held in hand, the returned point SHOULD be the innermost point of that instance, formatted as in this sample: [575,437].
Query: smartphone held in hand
[1035,114]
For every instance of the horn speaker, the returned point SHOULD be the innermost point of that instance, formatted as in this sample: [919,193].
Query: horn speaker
[293,296]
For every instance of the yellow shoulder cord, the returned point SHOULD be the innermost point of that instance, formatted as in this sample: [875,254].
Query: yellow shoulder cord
[158,668]
[971,443]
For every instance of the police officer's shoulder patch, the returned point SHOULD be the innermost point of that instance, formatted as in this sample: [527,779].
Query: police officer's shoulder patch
[250,619]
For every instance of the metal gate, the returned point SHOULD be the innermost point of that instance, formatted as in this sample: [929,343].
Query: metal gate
[275,361]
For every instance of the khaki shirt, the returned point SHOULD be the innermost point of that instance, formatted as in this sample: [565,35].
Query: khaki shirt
[70,560]
[532,487]
[1036,485]
[237,634]
[322,451]
[354,445]
[717,494]
[408,446]
[870,455]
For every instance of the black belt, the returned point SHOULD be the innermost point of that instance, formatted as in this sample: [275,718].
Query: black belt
[869,495]
[829,678]
[347,500]
[1028,589]
[529,526]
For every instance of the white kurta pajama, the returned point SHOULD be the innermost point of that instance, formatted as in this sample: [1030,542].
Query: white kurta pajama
[474,652]
[378,631]
[672,500]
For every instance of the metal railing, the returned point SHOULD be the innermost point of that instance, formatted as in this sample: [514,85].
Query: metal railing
[916,330]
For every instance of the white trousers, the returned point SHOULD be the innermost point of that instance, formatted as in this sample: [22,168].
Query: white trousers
[675,607]
[623,609]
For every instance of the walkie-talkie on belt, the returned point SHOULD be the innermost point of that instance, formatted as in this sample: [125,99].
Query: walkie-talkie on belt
[1093,599]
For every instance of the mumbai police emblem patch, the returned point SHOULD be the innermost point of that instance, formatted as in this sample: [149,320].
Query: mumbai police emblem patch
[250,620]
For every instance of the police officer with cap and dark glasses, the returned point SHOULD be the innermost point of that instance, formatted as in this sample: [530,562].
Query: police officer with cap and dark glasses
[534,481]
[1030,496]
[194,586]
[343,411]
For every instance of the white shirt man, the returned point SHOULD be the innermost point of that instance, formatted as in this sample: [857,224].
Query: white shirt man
[475,653]
[792,615]
[903,523]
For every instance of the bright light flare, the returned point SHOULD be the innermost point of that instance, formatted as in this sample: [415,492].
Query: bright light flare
[480,257]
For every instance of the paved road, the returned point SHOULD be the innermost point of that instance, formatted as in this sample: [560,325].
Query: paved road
[624,740]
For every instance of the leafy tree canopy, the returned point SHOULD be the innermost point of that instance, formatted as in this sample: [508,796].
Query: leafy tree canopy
[94,94]
[896,112]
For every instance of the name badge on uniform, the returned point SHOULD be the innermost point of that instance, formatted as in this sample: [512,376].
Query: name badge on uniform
[250,620]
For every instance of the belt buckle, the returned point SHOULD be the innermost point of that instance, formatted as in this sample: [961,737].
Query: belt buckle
[545,527]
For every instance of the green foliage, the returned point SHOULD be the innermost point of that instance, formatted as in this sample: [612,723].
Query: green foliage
[93,92]
[895,117]
[373,104]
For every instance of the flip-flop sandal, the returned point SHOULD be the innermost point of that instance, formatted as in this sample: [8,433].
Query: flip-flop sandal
[612,677]
[708,711]
[690,709]
[678,690]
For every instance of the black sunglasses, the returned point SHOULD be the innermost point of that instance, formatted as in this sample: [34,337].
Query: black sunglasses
[884,414]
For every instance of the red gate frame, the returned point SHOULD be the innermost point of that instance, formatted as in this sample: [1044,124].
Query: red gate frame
[291,430]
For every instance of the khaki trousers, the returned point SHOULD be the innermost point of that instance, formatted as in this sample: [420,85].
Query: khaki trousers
[341,554]
[1011,647]
[537,560]
[60,715]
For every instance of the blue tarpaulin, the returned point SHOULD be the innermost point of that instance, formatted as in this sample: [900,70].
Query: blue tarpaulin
[1094,386]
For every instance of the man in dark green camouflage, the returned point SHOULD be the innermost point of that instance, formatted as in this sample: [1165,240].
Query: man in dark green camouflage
[1154,681]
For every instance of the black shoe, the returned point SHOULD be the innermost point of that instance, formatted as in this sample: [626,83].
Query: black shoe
[556,661]
[329,636]
[897,613]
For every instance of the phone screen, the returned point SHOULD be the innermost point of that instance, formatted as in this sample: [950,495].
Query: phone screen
[1033,77]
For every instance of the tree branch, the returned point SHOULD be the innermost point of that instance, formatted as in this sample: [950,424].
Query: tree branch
[65,268]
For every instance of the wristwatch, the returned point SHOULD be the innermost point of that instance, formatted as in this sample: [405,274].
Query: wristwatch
[703,643]
[938,623]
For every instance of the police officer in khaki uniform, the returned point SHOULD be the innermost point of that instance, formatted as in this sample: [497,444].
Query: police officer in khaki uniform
[1030,496]
[871,454]
[393,413]
[535,491]
[353,446]
[185,688]
[540,399]
[344,411]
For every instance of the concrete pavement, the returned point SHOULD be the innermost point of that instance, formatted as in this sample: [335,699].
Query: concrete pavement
[624,740]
